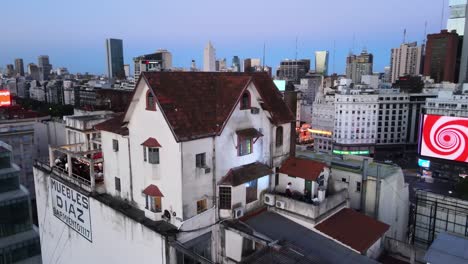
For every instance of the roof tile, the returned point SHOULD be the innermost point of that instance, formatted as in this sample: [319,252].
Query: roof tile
[303,168]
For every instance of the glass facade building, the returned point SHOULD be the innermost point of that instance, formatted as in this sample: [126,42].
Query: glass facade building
[115,61]
[457,16]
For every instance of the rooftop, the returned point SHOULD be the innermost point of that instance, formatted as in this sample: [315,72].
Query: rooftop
[113,125]
[354,229]
[303,168]
[306,242]
[448,248]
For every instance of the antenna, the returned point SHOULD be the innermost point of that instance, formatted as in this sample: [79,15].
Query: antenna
[296,50]
[263,68]
[442,15]
[334,51]
[354,39]
[404,36]
[425,33]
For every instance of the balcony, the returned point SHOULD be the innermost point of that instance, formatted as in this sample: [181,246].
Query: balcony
[311,210]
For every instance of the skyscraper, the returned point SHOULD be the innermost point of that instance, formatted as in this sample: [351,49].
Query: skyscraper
[321,62]
[440,61]
[293,70]
[236,66]
[457,16]
[209,58]
[405,60]
[44,67]
[463,75]
[33,71]
[159,61]
[358,65]
[19,67]
[10,70]
[115,62]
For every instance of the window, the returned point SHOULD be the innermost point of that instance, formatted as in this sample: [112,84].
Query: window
[144,154]
[200,160]
[344,180]
[117,184]
[153,155]
[153,203]
[201,206]
[251,191]
[279,136]
[358,186]
[115,145]
[245,101]
[150,102]
[245,146]
[225,197]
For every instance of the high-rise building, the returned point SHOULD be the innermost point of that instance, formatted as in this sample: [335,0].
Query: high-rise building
[159,61]
[209,58]
[405,60]
[293,70]
[457,16]
[236,66]
[115,61]
[321,62]
[463,75]
[33,71]
[10,70]
[127,70]
[19,238]
[440,61]
[19,67]
[44,67]
[358,65]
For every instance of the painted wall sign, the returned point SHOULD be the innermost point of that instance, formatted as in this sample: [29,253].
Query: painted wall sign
[71,207]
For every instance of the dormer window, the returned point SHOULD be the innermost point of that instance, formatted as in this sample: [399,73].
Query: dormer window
[150,102]
[153,198]
[245,140]
[151,151]
[245,101]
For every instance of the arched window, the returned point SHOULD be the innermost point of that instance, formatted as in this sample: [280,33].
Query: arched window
[245,101]
[279,136]
[150,102]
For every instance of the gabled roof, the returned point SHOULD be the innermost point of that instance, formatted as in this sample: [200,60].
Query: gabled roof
[303,168]
[354,229]
[151,143]
[243,174]
[199,104]
[113,125]
[153,190]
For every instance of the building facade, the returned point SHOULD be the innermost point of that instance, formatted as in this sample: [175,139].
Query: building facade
[359,65]
[159,61]
[321,62]
[457,16]
[209,58]
[19,67]
[293,70]
[406,60]
[441,61]
[115,61]
[44,67]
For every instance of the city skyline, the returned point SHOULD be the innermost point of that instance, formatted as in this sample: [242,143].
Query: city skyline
[187,33]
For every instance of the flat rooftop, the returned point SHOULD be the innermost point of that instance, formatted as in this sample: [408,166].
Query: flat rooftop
[306,242]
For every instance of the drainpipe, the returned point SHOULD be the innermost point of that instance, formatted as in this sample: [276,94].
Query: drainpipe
[365,165]
[213,172]
[377,193]
[130,169]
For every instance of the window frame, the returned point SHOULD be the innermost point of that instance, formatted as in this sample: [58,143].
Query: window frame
[115,145]
[248,146]
[245,105]
[225,197]
[152,202]
[151,107]
[202,206]
[202,163]
[153,159]
[249,191]
[358,186]
[117,184]
[279,136]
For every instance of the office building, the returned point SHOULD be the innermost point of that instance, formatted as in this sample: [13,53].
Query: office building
[236,65]
[209,58]
[161,60]
[19,67]
[441,61]
[33,71]
[127,70]
[321,62]
[406,60]
[359,65]
[457,16]
[44,67]
[115,61]
[19,238]
[293,70]
[250,64]
[10,70]
[323,123]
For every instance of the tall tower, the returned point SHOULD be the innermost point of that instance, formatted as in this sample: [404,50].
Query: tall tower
[19,67]
[115,62]
[457,17]
[321,62]
[44,66]
[209,58]
[405,60]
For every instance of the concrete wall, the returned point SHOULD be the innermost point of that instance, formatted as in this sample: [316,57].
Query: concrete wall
[112,232]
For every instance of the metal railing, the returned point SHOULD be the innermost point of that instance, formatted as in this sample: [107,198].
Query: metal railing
[62,173]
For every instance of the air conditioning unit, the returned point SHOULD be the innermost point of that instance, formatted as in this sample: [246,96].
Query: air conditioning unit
[280,204]
[269,199]
[254,110]
[207,170]
[238,212]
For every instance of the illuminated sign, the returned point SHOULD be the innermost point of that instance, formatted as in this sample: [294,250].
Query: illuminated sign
[351,152]
[445,137]
[424,163]
[5,98]
[71,207]
[320,132]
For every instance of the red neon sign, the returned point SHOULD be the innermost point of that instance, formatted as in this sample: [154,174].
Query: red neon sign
[5,98]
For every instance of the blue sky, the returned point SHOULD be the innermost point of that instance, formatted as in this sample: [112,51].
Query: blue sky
[73,33]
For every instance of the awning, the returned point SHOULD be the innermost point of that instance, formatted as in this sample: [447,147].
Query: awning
[249,133]
[243,174]
[153,190]
[151,143]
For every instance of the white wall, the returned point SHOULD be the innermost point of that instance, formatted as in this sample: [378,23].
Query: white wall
[112,232]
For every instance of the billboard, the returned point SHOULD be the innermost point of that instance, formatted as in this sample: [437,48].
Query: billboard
[71,207]
[5,99]
[444,137]
[424,163]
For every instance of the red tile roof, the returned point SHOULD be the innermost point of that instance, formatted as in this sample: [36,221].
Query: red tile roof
[153,190]
[113,125]
[151,143]
[354,229]
[198,104]
[249,133]
[303,168]
[243,174]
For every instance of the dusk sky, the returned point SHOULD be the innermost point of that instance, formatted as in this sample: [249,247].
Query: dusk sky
[73,33]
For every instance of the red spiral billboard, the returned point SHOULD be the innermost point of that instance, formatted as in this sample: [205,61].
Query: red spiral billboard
[445,137]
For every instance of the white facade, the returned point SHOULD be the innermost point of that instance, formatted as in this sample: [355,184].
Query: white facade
[405,60]
[447,104]
[321,62]
[393,117]
[323,122]
[209,58]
